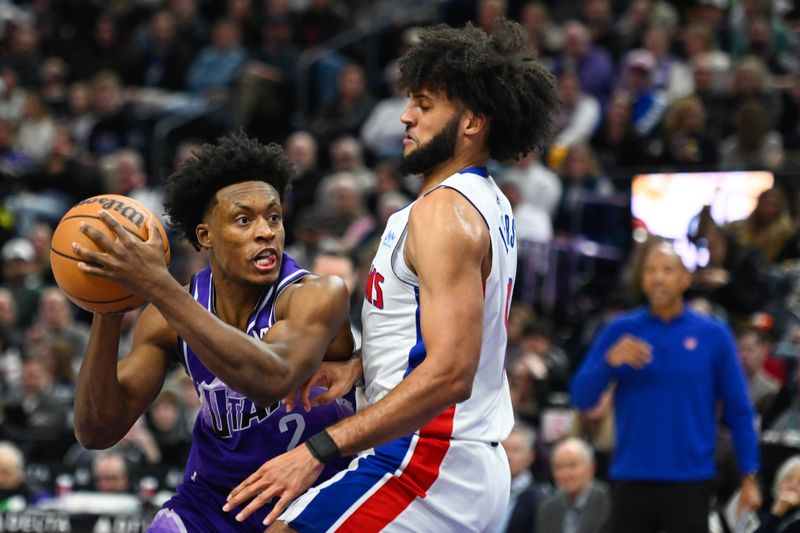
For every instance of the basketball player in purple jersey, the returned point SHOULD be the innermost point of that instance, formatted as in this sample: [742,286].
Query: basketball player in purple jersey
[435,312]
[248,331]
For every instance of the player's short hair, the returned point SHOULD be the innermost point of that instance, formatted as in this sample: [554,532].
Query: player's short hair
[489,73]
[191,191]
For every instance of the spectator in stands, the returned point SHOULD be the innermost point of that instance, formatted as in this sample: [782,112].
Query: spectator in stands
[382,132]
[526,493]
[19,277]
[346,111]
[23,54]
[639,16]
[14,165]
[790,117]
[579,114]
[754,348]
[108,51]
[80,117]
[15,492]
[36,418]
[765,37]
[341,202]
[615,142]
[713,13]
[40,234]
[347,155]
[784,515]
[37,129]
[110,473]
[539,186]
[596,427]
[537,340]
[333,262]
[533,224]
[698,42]
[12,96]
[56,321]
[708,89]
[165,58]
[754,145]
[266,87]
[735,276]
[648,101]
[520,316]
[581,177]
[191,27]
[751,81]
[768,227]
[166,419]
[124,173]
[216,67]
[672,368]
[115,126]
[544,36]
[671,74]
[63,165]
[523,374]
[598,15]
[686,141]
[593,65]
[581,504]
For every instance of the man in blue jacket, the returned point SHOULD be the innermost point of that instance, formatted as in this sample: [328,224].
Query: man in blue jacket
[672,368]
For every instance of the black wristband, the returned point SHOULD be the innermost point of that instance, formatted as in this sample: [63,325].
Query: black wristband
[322,447]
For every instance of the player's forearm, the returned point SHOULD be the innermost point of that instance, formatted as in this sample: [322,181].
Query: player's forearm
[242,362]
[101,414]
[420,397]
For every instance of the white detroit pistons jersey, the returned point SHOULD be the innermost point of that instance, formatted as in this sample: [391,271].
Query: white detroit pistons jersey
[392,344]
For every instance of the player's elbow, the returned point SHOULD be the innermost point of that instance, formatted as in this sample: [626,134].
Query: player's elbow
[462,390]
[94,437]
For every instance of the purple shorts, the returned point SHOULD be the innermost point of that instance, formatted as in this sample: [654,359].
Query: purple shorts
[198,508]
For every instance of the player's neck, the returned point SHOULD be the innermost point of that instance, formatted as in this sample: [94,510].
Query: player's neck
[456,164]
[234,302]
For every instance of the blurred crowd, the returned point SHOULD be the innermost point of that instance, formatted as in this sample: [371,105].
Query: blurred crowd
[111,97]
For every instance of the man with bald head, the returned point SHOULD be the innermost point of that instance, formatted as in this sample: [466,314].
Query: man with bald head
[581,504]
[672,367]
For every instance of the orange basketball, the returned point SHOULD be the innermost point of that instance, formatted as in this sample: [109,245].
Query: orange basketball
[94,293]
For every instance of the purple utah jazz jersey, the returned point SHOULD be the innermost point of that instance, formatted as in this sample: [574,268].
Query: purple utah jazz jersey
[232,437]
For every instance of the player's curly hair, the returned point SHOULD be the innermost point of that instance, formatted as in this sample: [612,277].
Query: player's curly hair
[492,74]
[234,158]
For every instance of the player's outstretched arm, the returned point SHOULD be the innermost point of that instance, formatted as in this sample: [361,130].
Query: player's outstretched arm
[110,396]
[450,263]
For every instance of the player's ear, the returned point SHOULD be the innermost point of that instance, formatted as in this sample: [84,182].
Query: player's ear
[203,235]
[475,122]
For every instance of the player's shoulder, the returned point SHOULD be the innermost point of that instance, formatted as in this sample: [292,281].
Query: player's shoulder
[312,293]
[446,211]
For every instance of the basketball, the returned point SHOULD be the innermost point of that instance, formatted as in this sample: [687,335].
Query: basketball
[94,293]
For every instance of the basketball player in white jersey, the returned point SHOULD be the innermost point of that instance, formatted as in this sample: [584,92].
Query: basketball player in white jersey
[434,319]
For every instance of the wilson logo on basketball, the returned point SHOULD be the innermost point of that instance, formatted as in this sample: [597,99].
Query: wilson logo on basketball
[109,204]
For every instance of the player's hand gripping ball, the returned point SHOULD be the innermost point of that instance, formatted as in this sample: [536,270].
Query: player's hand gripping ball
[94,293]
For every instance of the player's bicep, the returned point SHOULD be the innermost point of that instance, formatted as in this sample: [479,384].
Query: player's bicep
[142,371]
[315,317]
[448,263]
